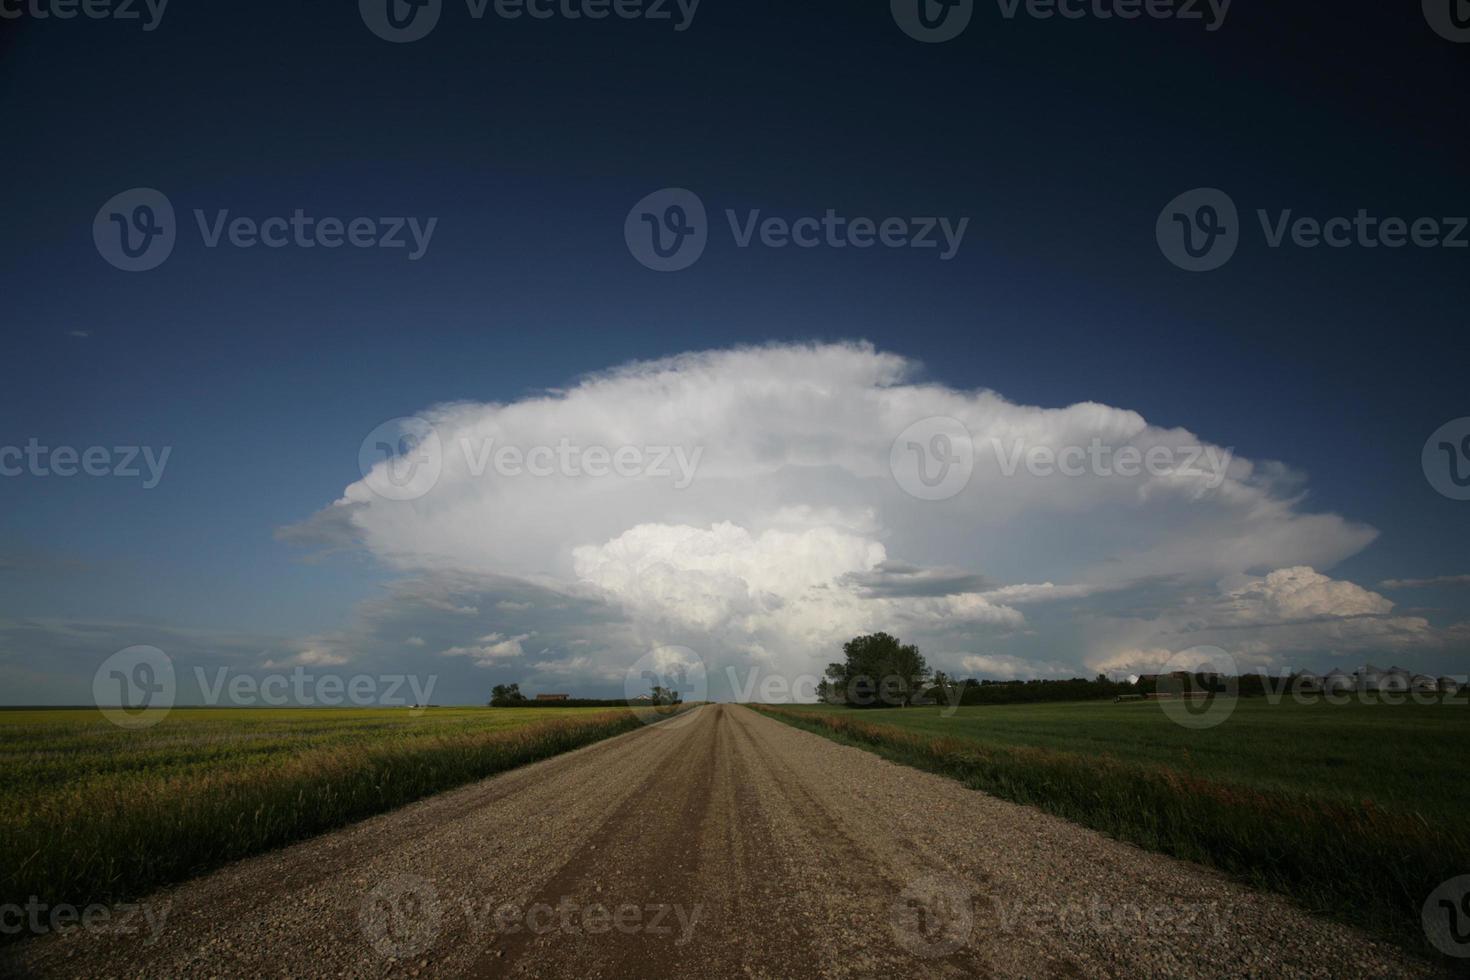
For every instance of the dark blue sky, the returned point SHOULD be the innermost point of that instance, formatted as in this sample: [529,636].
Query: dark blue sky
[1060,141]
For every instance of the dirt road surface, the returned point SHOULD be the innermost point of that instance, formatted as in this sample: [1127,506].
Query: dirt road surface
[719,844]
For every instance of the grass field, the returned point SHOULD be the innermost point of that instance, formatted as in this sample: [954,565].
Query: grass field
[1358,810]
[93,813]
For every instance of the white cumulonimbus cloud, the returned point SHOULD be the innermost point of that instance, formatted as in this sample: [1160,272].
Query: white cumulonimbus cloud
[742,503]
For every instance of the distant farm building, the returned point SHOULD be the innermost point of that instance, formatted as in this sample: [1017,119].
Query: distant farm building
[553,697]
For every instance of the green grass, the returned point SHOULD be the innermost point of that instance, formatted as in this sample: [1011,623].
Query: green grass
[1357,810]
[93,813]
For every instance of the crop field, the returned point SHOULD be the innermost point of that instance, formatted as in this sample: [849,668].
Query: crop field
[1359,810]
[92,812]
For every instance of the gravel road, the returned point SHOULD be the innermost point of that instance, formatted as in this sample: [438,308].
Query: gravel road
[719,844]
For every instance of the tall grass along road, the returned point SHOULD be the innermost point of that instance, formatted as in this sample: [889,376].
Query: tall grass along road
[1349,809]
[93,813]
[719,844]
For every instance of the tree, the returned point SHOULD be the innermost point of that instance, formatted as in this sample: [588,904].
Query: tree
[663,695]
[831,689]
[944,688]
[504,695]
[879,670]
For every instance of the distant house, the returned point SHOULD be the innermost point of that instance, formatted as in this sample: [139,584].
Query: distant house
[1336,682]
[553,697]
[1448,685]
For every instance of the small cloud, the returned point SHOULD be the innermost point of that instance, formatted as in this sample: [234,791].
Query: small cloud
[491,649]
[320,658]
[80,334]
[415,641]
[1003,667]
[1424,583]
[311,657]
[897,579]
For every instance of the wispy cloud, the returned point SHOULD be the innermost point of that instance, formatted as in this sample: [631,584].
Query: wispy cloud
[1424,583]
